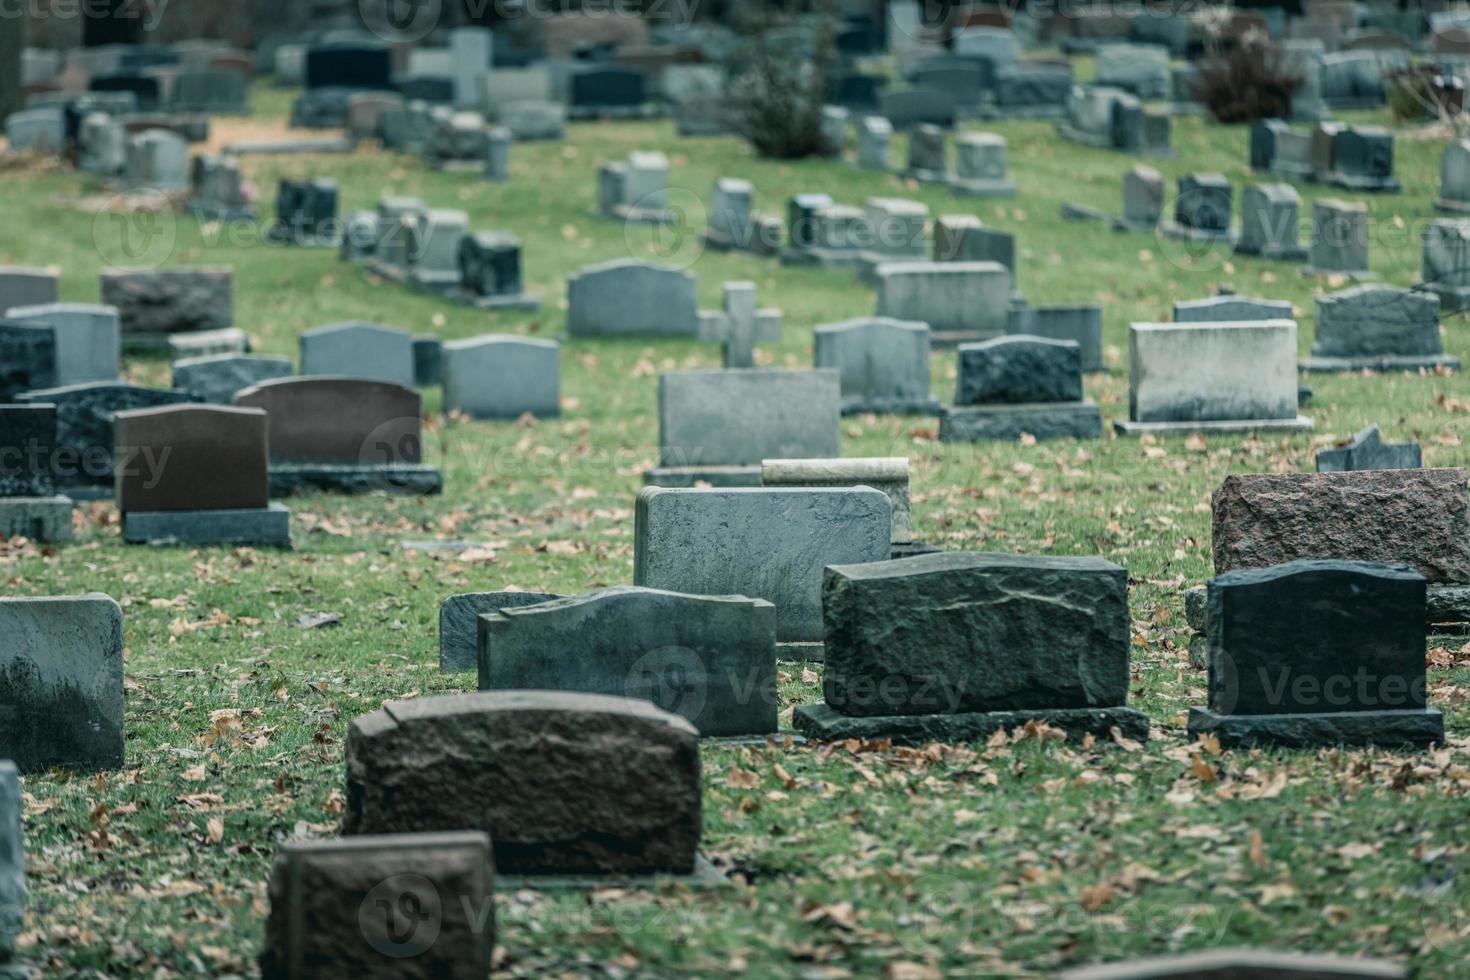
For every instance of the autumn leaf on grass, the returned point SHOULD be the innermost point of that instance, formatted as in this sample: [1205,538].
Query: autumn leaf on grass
[1202,770]
[215,830]
[739,778]
[1257,851]
[841,915]
[1352,852]
[1124,742]
[561,548]
[1097,896]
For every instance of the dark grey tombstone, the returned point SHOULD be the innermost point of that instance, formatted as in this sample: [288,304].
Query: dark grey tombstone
[1368,451]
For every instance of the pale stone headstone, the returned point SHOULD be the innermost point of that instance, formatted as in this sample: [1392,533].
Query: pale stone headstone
[1143,197]
[157,160]
[731,211]
[1269,218]
[883,364]
[954,298]
[981,166]
[626,297]
[740,325]
[835,121]
[875,138]
[26,286]
[1454,178]
[1339,237]
[887,473]
[88,339]
[473,52]
[358,350]
[498,141]
[1142,69]
[502,377]
[1255,964]
[1081,324]
[38,130]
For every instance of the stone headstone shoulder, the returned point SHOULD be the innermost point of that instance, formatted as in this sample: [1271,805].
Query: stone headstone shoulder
[502,377]
[358,350]
[1018,385]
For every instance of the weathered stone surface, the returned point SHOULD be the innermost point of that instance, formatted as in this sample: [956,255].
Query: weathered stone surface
[763,543]
[459,623]
[626,297]
[738,418]
[359,350]
[352,421]
[191,458]
[88,341]
[1241,964]
[710,659]
[27,441]
[887,473]
[566,783]
[1082,324]
[61,681]
[1377,320]
[336,908]
[262,527]
[503,377]
[84,432]
[1419,518]
[967,632]
[207,343]
[27,358]
[1205,372]
[949,296]
[820,722]
[1231,309]
[883,363]
[12,859]
[166,301]
[1368,451]
[1018,370]
[216,379]
[26,286]
[1270,219]
[1007,423]
[37,518]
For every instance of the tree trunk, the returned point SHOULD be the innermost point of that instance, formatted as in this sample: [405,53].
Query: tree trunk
[12,43]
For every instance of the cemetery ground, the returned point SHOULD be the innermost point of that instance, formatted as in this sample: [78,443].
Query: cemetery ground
[244,667]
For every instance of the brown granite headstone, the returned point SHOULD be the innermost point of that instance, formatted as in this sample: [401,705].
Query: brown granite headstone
[352,421]
[191,457]
[564,783]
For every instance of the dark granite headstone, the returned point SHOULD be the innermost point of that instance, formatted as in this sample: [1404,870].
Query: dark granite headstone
[1205,202]
[27,358]
[490,263]
[307,209]
[856,91]
[800,223]
[339,420]
[1263,142]
[27,444]
[1018,370]
[145,88]
[1368,451]
[191,458]
[459,626]
[609,87]
[353,66]
[437,89]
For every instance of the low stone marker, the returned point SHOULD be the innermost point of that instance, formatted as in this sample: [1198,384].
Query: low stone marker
[883,364]
[502,377]
[565,783]
[710,659]
[459,624]
[196,475]
[490,272]
[1314,653]
[1203,209]
[1270,215]
[887,473]
[1339,238]
[768,544]
[981,166]
[1014,386]
[12,860]
[88,339]
[61,681]
[338,907]
[1375,327]
[1454,178]
[1231,308]
[27,358]
[1241,964]
[358,350]
[626,297]
[216,379]
[985,642]
[961,301]
[28,286]
[1266,519]
[1081,323]
[154,304]
[1446,263]
[29,504]
[306,213]
[1368,451]
[351,435]
[740,324]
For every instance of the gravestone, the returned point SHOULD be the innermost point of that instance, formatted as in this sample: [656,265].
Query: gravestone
[740,325]
[835,122]
[435,260]
[534,120]
[1368,451]
[1032,89]
[1268,519]
[217,378]
[1362,160]
[1294,159]
[1231,308]
[928,155]
[490,272]
[428,362]
[84,429]
[502,377]
[716,426]
[157,160]
[1269,218]
[1454,178]
[1202,212]
[366,110]
[896,230]
[1339,237]
[1317,653]
[875,139]
[1302,58]
[889,474]
[1376,327]
[218,190]
[565,783]
[635,189]
[608,92]
[1081,324]
[153,304]
[1142,69]
[473,50]
[459,624]
[1263,143]
[763,543]
[1018,385]
[959,300]
[908,108]
[1324,144]
[626,297]
[196,475]
[1240,964]
[352,435]
[36,130]
[985,642]
[358,350]
[61,681]
[731,212]
[338,908]
[965,238]
[88,339]
[498,142]
[12,859]
[145,89]
[1446,263]
[212,91]
[1143,198]
[883,364]
[349,65]
[800,217]
[29,504]
[306,213]
[26,286]
[981,166]
[1212,377]
[831,236]
[708,658]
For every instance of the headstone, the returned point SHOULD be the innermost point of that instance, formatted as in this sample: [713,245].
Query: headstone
[27,358]
[981,166]
[436,267]
[965,238]
[24,286]
[1142,69]
[1339,237]
[473,49]
[498,141]
[1264,133]
[212,91]
[84,428]
[1203,208]
[218,190]
[502,377]
[907,109]
[1303,59]
[1033,88]
[1454,178]
[1317,653]
[928,155]
[626,297]
[551,782]
[196,475]
[985,642]
[1446,263]
[490,272]
[1143,198]
[153,304]
[12,859]
[349,66]
[1368,451]
[459,624]
[29,504]
[61,681]
[768,544]
[835,121]
[1378,328]
[717,426]
[875,137]
[88,339]
[1269,519]
[1324,145]
[380,906]
[740,325]
[365,111]
[501,88]
[36,130]
[1212,376]
[358,350]
[157,160]
[800,217]
[957,299]
[102,145]
[711,659]
[889,474]
[1362,160]
[1080,324]
[1293,158]
[217,378]
[306,212]
[534,120]
[731,213]
[883,364]
[1220,964]
[1270,215]
[1018,385]
[1231,308]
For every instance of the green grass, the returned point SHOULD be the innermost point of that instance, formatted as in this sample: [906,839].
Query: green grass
[1000,859]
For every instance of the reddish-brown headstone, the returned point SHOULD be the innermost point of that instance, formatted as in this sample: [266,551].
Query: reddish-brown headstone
[352,421]
[191,457]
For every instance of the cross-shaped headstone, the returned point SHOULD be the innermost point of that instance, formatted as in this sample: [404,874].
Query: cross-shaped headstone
[741,325]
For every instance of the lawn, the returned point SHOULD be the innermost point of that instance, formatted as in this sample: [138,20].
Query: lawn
[1010,858]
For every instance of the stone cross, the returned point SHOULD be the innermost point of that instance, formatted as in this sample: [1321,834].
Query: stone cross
[741,325]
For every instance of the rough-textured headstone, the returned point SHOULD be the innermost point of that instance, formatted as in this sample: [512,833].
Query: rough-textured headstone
[928,154]
[27,358]
[1378,327]
[1081,324]
[981,166]
[1269,218]
[710,659]
[165,301]
[216,379]
[27,442]
[763,543]
[1241,964]
[84,426]
[13,892]
[883,364]
[1318,653]
[1142,69]
[61,681]
[1205,203]
[887,473]
[1017,370]
[502,377]
[382,907]
[459,626]
[1446,263]
[490,271]
[1419,518]
[1368,451]
[565,783]
[88,339]
[626,297]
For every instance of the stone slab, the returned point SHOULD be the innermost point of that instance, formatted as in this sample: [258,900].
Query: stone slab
[1019,369]
[216,379]
[359,350]
[502,377]
[741,417]
[44,519]
[1389,729]
[626,297]
[190,458]
[165,301]
[887,473]
[264,527]
[1212,372]
[13,892]
[88,339]
[1129,428]
[819,722]
[459,627]
[411,479]
[1007,423]
[1368,451]
[352,422]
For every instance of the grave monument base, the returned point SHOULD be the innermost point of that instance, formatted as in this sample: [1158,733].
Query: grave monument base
[820,722]
[203,343]
[1275,253]
[404,478]
[42,519]
[893,406]
[262,527]
[1365,185]
[435,283]
[684,477]
[993,187]
[826,258]
[1387,362]
[1300,731]
[210,212]
[1005,423]
[704,876]
[511,302]
[1299,424]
